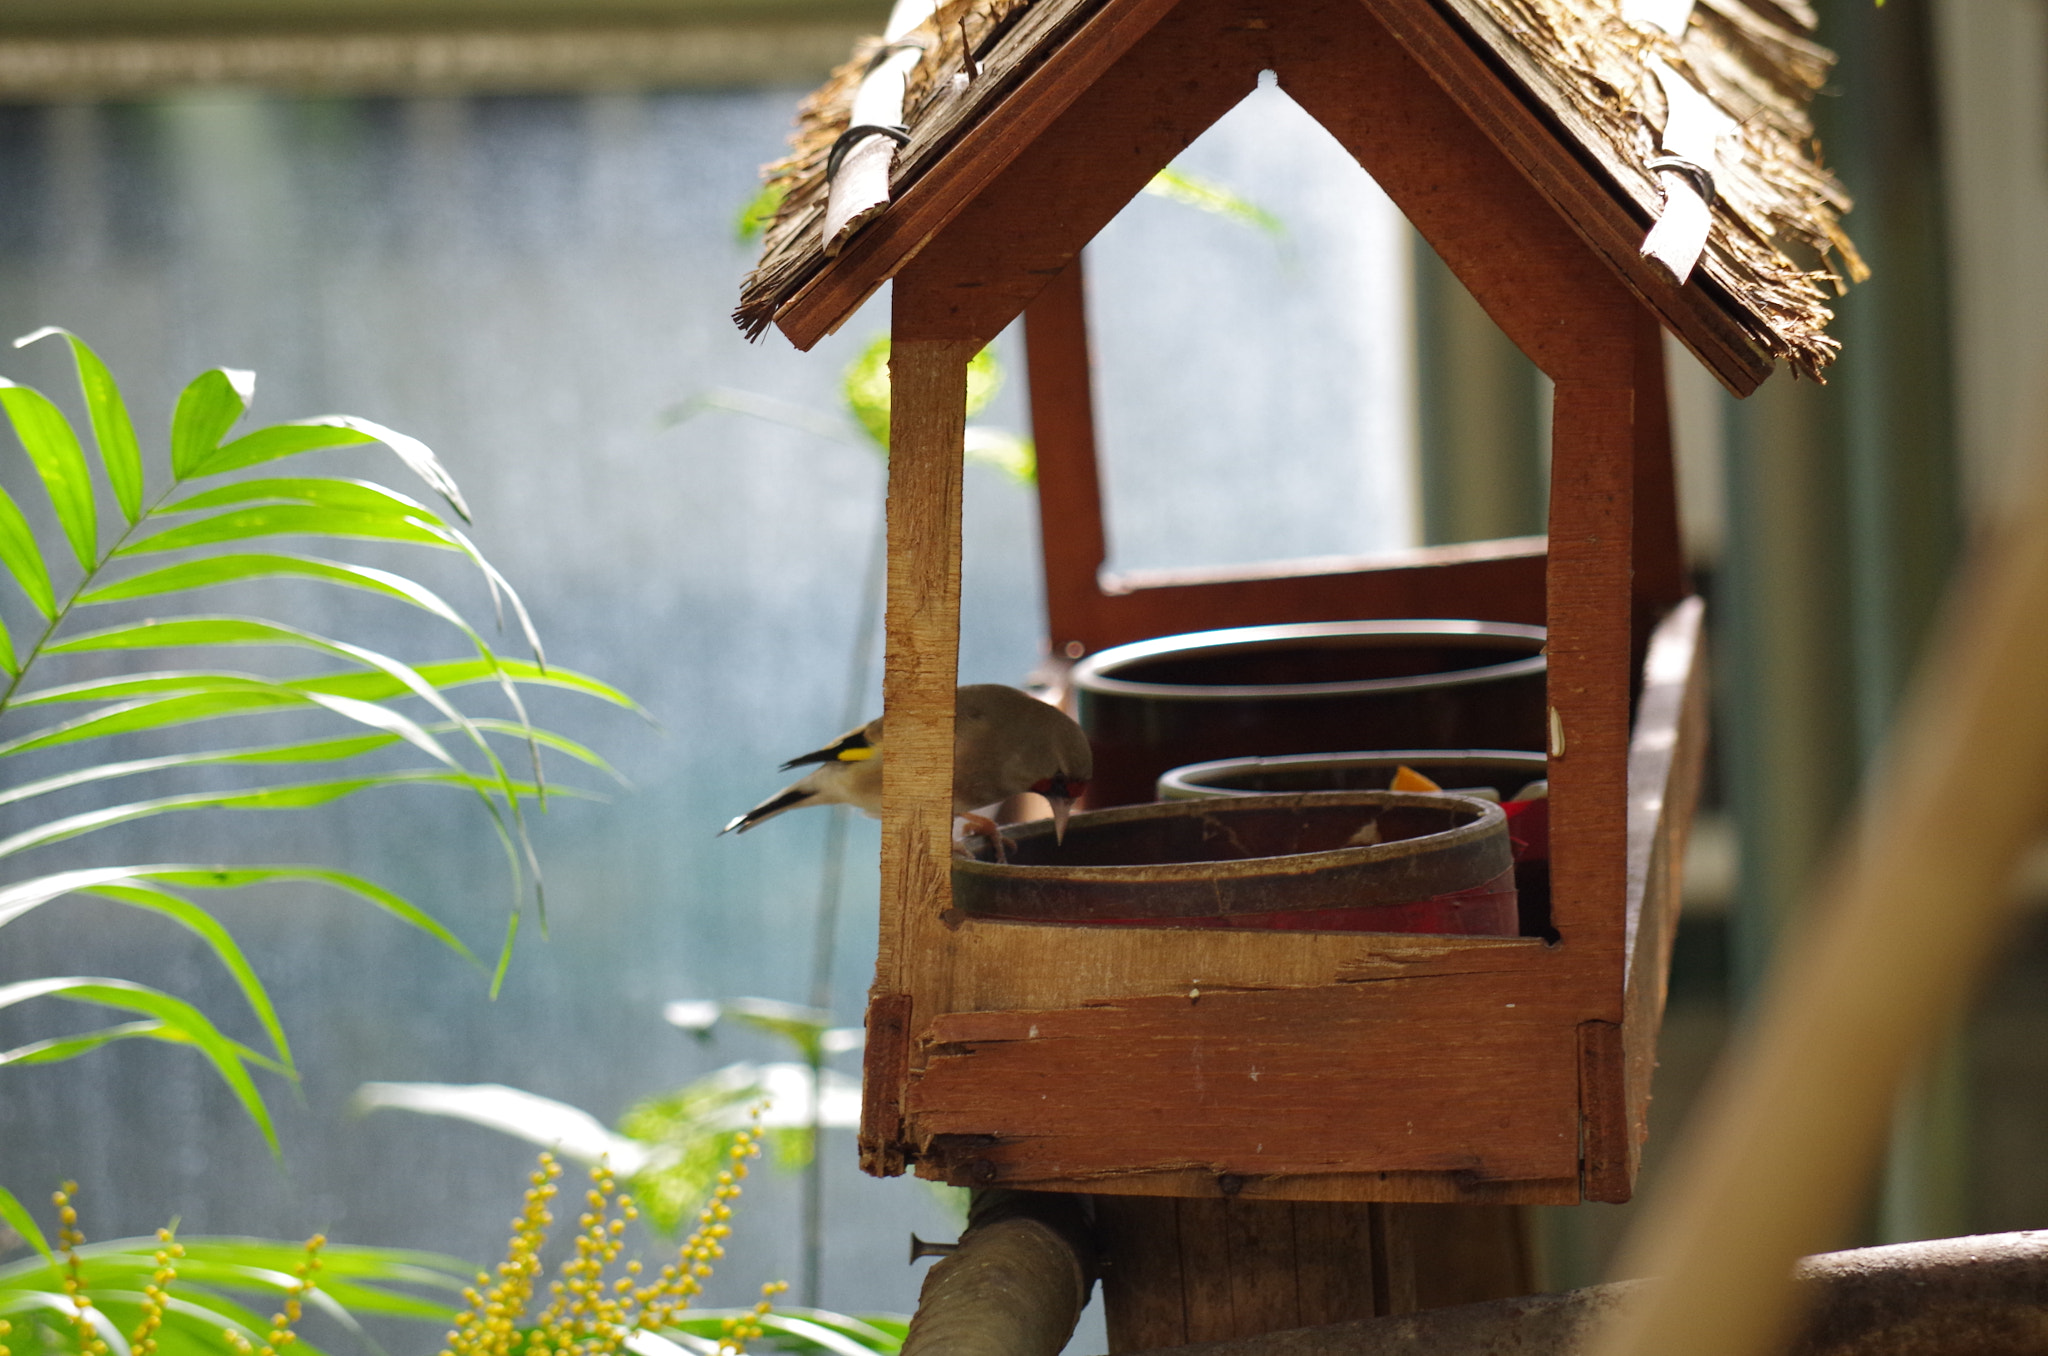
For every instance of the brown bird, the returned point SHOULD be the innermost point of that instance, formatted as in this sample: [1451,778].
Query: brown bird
[1004,741]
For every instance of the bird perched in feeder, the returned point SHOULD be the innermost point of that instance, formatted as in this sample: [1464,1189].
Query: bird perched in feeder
[1004,742]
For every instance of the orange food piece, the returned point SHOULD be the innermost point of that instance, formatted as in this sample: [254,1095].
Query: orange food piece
[1408,779]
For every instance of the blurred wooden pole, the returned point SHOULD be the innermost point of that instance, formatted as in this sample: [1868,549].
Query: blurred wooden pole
[1778,1160]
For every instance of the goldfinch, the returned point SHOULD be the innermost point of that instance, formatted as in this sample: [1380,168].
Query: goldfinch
[1004,742]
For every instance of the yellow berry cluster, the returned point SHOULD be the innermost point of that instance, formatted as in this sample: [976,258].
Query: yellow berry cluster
[588,1314]
[682,1279]
[69,1236]
[142,1342]
[283,1323]
[489,1326]
[747,1326]
[583,1308]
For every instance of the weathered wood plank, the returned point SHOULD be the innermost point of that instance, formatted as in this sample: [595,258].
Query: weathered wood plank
[1491,581]
[1000,966]
[1432,1188]
[926,434]
[1667,757]
[1073,541]
[1447,1075]
[1591,496]
[1605,1162]
[1660,580]
[885,1072]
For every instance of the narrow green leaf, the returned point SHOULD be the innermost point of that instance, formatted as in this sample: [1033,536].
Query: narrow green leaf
[211,404]
[235,877]
[8,663]
[47,437]
[181,1023]
[57,1049]
[547,739]
[303,751]
[22,1222]
[461,672]
[19,898]
[505,954]
[235,630]
[288,520]
[153,714]
[296,797]
[228,569]
[178,632]
[204,926]
[335,430]
[272,442]
[111,427]
[157,683]
[337,492]
[23,558]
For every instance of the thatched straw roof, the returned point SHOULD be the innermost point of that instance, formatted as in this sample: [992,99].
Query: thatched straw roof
[1775,250]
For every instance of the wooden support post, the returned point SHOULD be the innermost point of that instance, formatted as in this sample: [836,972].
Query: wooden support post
[1069,486]
[1178,1271]
[926,435]
[1592,482]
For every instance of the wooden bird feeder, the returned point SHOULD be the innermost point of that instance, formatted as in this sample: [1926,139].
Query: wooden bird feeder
[1534,157]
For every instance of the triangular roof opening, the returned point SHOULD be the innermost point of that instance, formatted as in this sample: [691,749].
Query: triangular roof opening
[1253,335]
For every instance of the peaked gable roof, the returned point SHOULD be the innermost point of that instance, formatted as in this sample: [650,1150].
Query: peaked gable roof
[1570,89]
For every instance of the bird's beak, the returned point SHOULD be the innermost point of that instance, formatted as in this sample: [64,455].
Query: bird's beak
[1062,806]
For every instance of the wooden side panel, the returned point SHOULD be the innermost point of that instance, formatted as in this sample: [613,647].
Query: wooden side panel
[1490,581]
[1661,581]
[1591,496]
[885,1072]
[926,433]
[1464,1075]
[1606,1168]
[1073,541]
[1666,760]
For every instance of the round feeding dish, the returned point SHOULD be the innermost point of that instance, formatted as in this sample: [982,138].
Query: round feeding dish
[1267,690]
[1365,861]
[1500,771]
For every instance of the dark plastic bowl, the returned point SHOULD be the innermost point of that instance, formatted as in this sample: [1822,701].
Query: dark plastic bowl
[1269,690]
[1503,771]
[1442,865]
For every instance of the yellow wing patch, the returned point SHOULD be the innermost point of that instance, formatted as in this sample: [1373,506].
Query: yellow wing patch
[855,755]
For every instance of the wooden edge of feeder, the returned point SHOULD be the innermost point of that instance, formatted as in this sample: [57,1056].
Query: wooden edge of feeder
[952,1165]
[1667,749]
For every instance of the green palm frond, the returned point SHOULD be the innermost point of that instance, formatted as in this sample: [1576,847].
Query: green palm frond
[229,1284]
[220,509]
